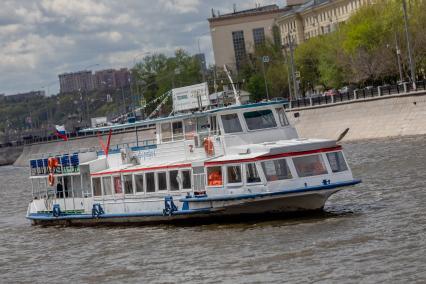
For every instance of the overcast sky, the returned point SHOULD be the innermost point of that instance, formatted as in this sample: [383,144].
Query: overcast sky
[42,38]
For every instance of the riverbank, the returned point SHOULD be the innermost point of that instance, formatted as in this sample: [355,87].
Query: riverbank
[369,118]
[8,155]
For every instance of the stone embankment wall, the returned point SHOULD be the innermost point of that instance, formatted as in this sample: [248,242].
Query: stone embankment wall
[8,155]
[379,117]
[73,145]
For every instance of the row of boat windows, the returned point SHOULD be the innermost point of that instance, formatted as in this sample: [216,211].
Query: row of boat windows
[278,169]
[254,120]
[173,180]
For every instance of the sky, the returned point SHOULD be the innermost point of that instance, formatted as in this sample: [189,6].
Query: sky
[40,39]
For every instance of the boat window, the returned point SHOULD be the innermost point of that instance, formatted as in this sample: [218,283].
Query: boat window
[214,175]
[76,186]
[190,125]
[97,187]
[312,165]
[162,181]
[252,176]
[177,130]
[128,184]
[231,123]
[214,126]
[337,162]
[282,116]
[260,119]
[150,182]
[166,132]
[118,189]
[186,179]
[174,183]
[203,124]
[234,174]
[106,183]
[139,183]
[276,170]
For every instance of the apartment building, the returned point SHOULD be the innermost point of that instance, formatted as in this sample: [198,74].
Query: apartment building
[315,17]
[110,79]
[235,35]
[77,81]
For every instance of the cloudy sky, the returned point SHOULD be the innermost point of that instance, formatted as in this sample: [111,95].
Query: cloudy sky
[42,38]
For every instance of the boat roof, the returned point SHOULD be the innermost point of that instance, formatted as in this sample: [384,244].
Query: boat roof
[181,116]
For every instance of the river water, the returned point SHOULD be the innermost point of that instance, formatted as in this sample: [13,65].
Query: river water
[372,233]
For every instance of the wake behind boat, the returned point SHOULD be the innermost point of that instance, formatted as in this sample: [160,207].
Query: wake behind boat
[242,159]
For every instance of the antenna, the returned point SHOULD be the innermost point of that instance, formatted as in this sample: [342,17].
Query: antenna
[213,13]
[237,96]
[235,8]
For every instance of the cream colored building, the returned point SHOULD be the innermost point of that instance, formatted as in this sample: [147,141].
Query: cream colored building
[235,35]
[316,17]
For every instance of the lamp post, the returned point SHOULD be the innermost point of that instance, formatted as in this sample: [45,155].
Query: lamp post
[265,59]
[407,36]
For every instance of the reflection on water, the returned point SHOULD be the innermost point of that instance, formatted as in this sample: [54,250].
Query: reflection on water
[374,232]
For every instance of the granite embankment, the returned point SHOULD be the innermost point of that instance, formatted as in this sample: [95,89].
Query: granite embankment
[378,117]
[8,155]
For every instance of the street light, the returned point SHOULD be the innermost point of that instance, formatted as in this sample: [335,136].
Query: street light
[265,59]
[407,35]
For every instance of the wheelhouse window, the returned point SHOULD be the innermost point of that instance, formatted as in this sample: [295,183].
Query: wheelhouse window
[312,165]
[260,119]
[128,184]
[177,127]
[106,183]
[252,175]
[234,174]
[276,170]
[282,117]
[231,123]
[337,162]
[139,183]
[97,189]
[117,185]
[186,179]
[150,182]
[174,180]
[162,181]
[214,176]
[190,126]
[203,124]
[166,132]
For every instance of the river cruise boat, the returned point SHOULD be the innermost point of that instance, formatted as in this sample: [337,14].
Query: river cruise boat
[238,160]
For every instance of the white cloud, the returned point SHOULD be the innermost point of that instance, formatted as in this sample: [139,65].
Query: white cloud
[181,6]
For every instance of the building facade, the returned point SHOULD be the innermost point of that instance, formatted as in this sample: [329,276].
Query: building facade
[235,35]
[84,81]
[314,18]
[77,81]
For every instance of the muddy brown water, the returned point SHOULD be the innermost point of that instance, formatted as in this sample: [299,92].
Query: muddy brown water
[372,233]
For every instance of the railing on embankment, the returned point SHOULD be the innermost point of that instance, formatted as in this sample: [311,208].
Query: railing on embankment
[357,94]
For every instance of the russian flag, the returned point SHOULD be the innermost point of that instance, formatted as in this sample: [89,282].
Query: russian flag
[60,132]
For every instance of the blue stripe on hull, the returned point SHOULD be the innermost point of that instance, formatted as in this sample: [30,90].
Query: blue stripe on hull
[49,217]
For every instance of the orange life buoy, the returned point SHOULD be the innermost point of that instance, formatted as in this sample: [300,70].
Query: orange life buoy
[51,179]
[52,163]
[208,146]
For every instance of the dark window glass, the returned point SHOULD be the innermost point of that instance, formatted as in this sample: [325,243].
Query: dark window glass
[282,116]
[276,170]
[150,182]
[166,132]
[239,47]
[186,179]
[234,174]
[252,175]
[162,181]
[177,130]
[259,37]
[260,119]
[309,165]
[139,183]
[97,187]
[231,123]
[174,184]
[106,183]
[128,184]
[337,162]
